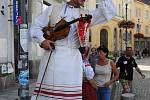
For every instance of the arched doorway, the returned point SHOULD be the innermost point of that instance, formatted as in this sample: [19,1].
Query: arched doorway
[104,37]
[115,39]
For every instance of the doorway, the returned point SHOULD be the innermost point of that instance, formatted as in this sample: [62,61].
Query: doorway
[104,37]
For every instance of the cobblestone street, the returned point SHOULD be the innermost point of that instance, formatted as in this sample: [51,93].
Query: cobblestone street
[141,87]
[48,48]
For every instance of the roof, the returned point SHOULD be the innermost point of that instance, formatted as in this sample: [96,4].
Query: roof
[145,1]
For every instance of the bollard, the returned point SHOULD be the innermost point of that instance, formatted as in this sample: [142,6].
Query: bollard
[128,96]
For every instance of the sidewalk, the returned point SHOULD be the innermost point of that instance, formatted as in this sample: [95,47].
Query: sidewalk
[12,93]
[140,86]
[144,64]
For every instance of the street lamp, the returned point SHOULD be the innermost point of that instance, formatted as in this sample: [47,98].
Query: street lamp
[138,29]
[126,28]
[125,23]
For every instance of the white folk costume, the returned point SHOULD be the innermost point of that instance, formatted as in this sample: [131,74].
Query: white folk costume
[89,93]
[88,70]
[63,78]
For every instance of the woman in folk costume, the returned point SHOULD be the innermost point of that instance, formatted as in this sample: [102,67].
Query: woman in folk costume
[88,92]
[63,76]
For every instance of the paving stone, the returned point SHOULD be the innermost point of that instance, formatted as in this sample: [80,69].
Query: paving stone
[140,86]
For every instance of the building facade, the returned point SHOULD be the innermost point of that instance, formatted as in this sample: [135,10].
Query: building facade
[6,32]
[110,34]
[142,21]
[113,37]
[6,42]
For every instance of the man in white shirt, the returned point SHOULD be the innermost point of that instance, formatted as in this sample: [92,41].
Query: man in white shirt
[63,75]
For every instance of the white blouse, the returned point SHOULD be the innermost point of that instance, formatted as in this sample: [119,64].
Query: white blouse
[102,14]
[88,70]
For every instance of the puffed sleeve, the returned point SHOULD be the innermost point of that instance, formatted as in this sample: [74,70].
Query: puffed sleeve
[40,22]
[88,70]
[105,11]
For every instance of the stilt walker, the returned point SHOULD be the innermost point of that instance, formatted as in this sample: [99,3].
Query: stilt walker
[63,75]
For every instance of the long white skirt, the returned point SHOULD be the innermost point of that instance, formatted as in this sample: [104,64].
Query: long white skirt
[63,78]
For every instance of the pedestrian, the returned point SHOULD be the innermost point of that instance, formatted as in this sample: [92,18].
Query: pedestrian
[63,76]
[103,70]
[93,57]
[126,64]
[88,92]
[144,52]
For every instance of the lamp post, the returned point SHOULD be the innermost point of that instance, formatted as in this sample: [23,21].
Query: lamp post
[121,42]
[126,19]
[138,30]
[129,23]
[126,31]
[125,24]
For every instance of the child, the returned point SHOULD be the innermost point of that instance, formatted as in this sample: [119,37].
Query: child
[88,92]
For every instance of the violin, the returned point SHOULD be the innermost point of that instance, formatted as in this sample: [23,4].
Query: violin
[61,29]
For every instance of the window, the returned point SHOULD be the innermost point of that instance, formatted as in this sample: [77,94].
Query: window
[138,28]
[120,39]
[115,39]
[149,14]
[97,3]
[146,30]
[130,13]
[146,14]
[130,36]
[119,10]
[138,12]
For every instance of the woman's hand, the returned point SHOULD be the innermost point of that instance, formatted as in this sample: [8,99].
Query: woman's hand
[94,84]
[107,84]
[143,76]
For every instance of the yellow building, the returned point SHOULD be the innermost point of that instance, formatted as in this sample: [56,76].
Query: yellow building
[111,35]
[142,18]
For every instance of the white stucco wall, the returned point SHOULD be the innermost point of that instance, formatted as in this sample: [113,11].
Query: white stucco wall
[6,34]
[3,36]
